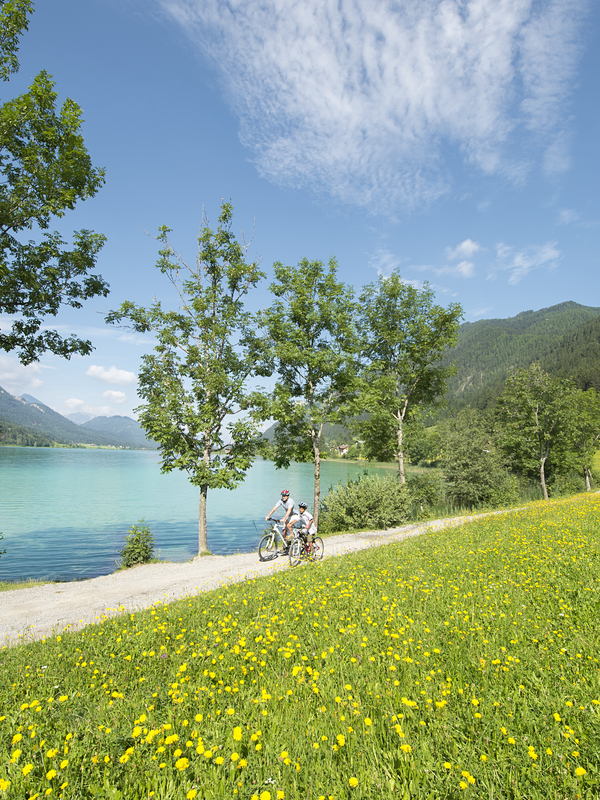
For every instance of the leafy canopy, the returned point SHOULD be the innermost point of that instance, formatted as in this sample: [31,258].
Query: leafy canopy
[45,170]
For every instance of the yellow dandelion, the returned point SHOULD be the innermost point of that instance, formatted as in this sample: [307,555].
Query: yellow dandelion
[353,782]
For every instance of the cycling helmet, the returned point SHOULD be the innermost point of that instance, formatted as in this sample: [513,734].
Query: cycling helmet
[285,493]
[302,505]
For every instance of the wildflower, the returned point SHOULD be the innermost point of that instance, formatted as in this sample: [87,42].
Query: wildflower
[237,734]
[447,765]
[27,769]
[406,748]
[191,794]
[51,774]
[219,760]
[353,782]
[368,722]
[341,739]
[182,763]
[124,758]
[580,772]
[265,796]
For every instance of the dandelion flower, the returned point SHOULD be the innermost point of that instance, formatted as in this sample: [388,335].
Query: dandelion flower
[353,782]
[580,772]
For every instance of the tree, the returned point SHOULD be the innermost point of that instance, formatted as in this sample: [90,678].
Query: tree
[44,170]
[404,336]
[196,376]
[310,338]
[535,412]
[475,469]
[586,434]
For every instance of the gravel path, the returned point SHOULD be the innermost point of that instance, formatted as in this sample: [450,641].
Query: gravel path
[48,609]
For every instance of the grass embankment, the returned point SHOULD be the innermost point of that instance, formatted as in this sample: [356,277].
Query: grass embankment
[458,664]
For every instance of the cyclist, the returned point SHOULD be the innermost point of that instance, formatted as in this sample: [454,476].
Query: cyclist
[308,525]
[289,517]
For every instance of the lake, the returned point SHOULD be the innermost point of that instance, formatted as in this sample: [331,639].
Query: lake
[65,513]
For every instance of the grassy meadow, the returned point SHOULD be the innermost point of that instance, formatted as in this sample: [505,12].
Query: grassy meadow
[459,664]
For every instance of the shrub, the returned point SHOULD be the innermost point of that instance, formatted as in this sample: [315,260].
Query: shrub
[139,545]
[371,502]
[426,491]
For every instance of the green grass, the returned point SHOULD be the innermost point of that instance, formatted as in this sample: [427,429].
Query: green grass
[8,586]
[459,664]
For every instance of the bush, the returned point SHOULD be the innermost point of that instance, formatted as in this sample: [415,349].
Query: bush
[369,502]
[426,491]
[139,546]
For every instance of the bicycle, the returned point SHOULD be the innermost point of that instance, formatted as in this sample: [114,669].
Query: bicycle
[301,548]
[273,544]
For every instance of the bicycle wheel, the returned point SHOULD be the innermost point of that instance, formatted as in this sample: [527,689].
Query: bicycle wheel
[295,552]
[267,549]
[318,548]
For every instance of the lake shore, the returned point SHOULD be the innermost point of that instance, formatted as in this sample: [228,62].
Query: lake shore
[50,609]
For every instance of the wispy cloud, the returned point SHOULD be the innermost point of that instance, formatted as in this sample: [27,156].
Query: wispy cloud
[384,262]
[16,379]
[360,98]
[112,375]
[519,263]
[464,269]
[567,216]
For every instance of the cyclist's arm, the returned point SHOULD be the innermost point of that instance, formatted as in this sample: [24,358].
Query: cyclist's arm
[272,511]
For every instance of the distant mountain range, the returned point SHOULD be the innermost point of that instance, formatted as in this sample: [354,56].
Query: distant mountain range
[22,416]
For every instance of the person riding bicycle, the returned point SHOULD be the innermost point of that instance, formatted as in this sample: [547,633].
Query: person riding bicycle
[308,525]
[289,517]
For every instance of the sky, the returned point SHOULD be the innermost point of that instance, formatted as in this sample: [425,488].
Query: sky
[455,140]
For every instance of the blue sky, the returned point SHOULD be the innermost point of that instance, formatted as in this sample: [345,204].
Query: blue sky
[456,139]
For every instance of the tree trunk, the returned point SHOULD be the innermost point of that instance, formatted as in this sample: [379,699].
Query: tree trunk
[588,483]
[543,478]
[202,537]
[401,474]
[317,495]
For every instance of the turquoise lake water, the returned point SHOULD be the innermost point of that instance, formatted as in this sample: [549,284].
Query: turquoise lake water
[65,513]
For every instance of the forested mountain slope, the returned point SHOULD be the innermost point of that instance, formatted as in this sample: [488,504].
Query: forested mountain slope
[487,351]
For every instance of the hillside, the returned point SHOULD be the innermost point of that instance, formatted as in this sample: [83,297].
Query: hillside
[564,338]
[30,413]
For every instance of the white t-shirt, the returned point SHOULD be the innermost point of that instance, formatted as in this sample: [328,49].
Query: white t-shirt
[307,522]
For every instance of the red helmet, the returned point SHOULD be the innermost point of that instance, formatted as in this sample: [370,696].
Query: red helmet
[285,492]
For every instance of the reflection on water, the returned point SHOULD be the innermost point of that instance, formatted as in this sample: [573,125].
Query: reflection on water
[64,513]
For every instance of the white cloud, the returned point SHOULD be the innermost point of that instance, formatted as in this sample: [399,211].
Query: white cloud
[463,250]
[519,263]
[359,98]
[115,397]
[17,379]
[73,404]
[465,269]
[112,375]
[384,262]
[479,312]
[567,216]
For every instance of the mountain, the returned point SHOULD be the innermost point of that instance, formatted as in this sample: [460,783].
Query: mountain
[78,417]
[39,418]
[487,351]
[120,428]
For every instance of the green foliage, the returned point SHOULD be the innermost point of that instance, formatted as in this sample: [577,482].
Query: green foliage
[536,415]
[426,491]
[21,436]
[44,170]
[370,502]
[564,339]
[475,469]
[310,341]
[139,545]
[196,376]
[403,337]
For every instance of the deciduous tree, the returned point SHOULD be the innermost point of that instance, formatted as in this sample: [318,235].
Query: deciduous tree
[44,170]
[310,336]
[196,377]
[404,336]
[536,423]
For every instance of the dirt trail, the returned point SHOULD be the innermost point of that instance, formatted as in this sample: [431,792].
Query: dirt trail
[48,609]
